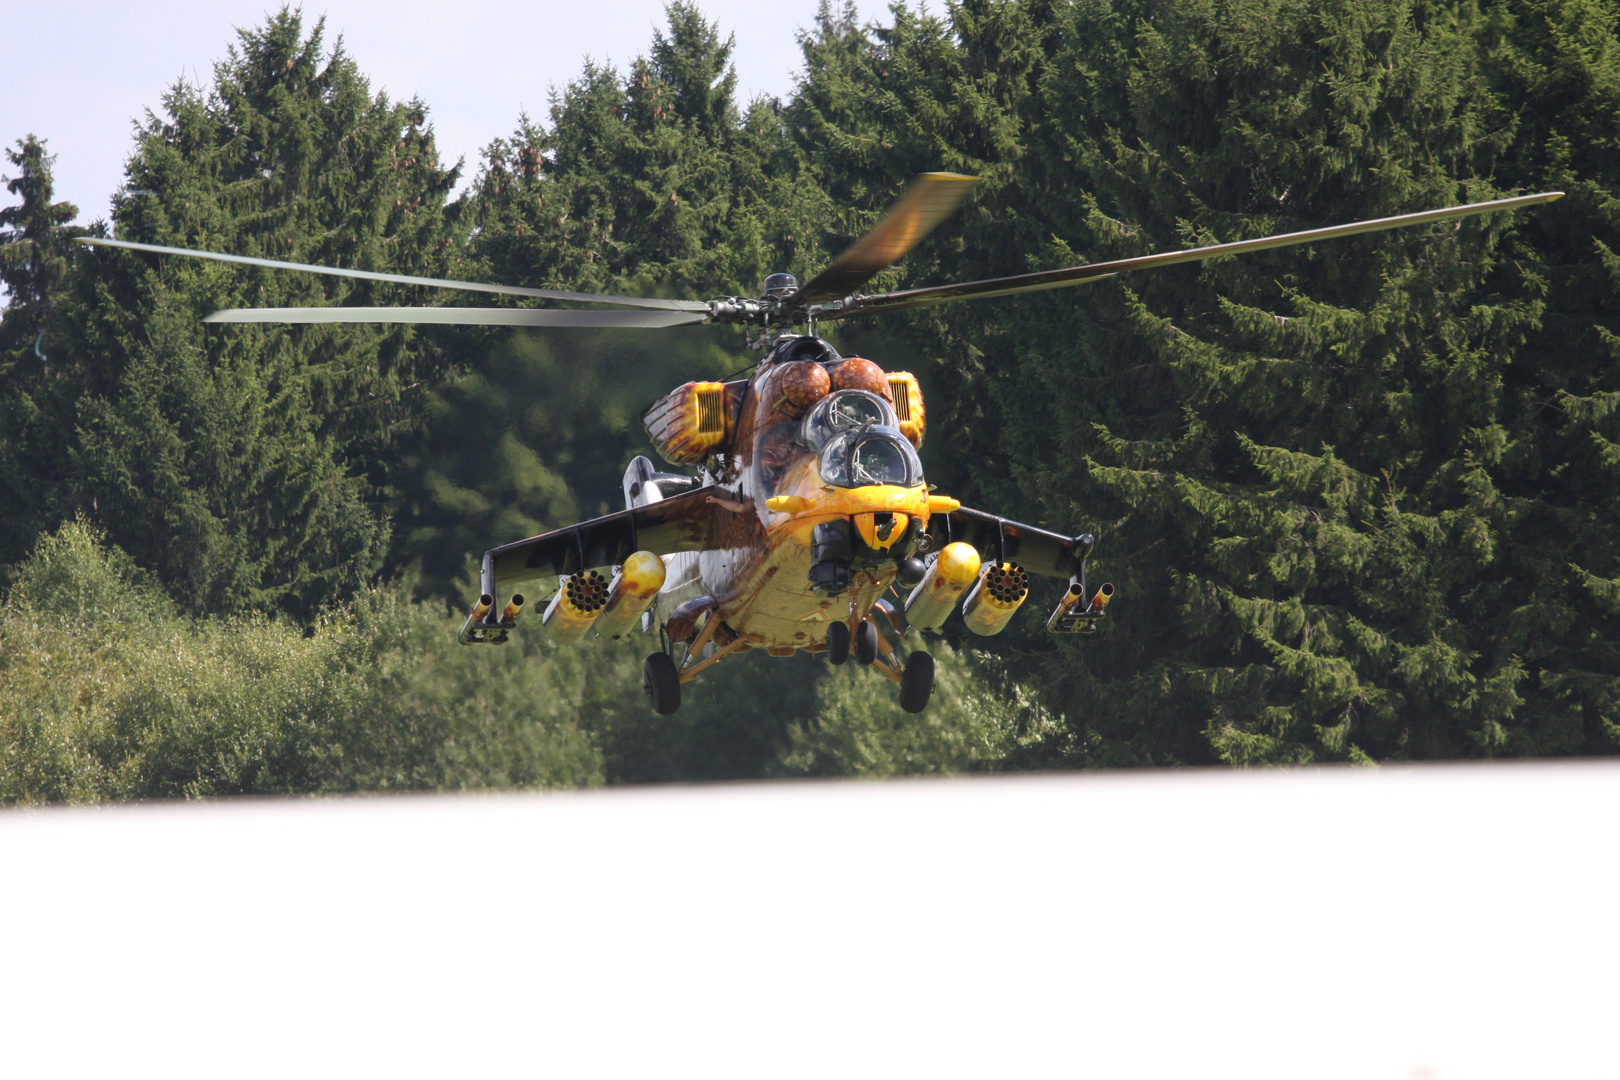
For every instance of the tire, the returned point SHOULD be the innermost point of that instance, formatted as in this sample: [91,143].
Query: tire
[838,643]
[662,682]
[866,642]
[917,683]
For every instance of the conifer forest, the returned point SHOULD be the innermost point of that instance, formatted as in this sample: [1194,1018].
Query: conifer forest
[1360,500]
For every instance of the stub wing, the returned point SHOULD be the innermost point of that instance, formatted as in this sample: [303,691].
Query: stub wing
[1000,540]
[685,522]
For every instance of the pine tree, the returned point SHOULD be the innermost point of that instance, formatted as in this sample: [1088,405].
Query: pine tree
[1302,463]
[653,182]
[1558,65]
[35,255]
[655,177]
[253,466]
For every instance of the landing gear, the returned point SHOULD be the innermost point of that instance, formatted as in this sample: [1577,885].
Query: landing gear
[866,642]
[838,643]
[663,683]
[917,683]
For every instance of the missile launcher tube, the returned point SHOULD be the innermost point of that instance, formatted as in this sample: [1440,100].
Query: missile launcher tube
[930,603]
[480,609]
[1072,599]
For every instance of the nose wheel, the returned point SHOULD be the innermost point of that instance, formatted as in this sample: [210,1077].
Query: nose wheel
[915,677]
[838,643]
[866,642]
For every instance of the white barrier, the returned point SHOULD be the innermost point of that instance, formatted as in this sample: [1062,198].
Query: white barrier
[1406,923]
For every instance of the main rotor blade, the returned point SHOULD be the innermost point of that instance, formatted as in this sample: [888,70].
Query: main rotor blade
[406,279]
[931,199]
[1081,275]
[449,316]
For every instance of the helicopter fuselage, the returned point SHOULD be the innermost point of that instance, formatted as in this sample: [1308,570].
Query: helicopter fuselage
[770,499]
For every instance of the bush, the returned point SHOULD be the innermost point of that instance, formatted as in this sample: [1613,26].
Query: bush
[107,692]
[977,720]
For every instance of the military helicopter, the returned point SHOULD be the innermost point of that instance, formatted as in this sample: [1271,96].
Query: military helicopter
[808,504]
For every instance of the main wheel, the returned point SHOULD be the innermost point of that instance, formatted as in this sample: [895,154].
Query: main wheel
[866,642]
[838,642]
[662,682]
[917,682]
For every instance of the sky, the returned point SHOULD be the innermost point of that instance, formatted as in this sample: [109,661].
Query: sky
[80,74]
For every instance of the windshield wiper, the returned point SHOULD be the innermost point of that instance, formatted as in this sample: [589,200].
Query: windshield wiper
[852,459]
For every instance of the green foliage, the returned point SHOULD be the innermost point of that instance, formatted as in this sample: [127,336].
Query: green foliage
[538,437]
[654,179]
[981,718]
[1326,478]
[34,238]
[1358,498]
[647,182]
[35,256]
[107,692]
[249,467]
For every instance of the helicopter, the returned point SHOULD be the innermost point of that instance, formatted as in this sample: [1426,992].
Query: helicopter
[806,508]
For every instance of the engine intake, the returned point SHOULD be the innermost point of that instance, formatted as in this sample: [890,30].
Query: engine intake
[692,421]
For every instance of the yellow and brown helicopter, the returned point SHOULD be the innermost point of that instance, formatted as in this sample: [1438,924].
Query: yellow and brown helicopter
[807,504]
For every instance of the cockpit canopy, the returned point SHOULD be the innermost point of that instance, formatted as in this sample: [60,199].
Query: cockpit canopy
[874,455]
[846,410]
[857,436]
